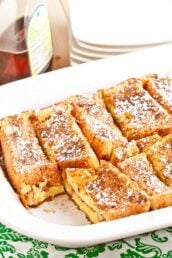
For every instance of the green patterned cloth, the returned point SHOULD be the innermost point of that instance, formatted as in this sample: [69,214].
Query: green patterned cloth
[150,245]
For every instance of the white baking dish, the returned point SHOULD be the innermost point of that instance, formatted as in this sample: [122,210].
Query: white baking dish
[59,221]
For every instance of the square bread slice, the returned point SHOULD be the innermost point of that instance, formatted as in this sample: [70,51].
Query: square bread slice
[121,153]
[160,155]
[145,143]
[74,181]
[107,192]
[135,111]
[62,139]
[97,123]
[139,169]
[29,171]
[160,88]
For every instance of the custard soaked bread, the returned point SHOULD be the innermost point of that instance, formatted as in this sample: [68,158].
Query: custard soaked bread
[104,194]
[160,88]
[139,169]
[121,153]
[29,171]
[144,143]
[75,180]
[160,155]
[134,133]
[97,124]
[135,111]
[62,139]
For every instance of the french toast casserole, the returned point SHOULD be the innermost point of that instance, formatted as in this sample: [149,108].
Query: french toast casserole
[110,150]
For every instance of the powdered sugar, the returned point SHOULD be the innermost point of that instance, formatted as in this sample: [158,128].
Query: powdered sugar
[137,113]
[139,169]
[23,144]
[61,136]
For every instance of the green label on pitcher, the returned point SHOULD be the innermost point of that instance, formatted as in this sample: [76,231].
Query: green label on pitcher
[39,41]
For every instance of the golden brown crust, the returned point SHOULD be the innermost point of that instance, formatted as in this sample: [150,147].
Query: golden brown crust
[160,155]
[136,112]
[108,192]
[122,153]
[92,215]
[97,124]
[160,88]
[62,139]
[28,169]
[145,143]
[141,171]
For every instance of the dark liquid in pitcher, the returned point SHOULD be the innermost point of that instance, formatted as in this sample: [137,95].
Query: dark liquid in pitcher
[14,63]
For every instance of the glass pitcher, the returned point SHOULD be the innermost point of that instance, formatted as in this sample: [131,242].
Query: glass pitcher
[25,39]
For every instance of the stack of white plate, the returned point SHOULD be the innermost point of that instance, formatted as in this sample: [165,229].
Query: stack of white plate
[102,28]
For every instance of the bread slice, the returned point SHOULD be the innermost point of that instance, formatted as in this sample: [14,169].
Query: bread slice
[145,143]
[74,181]
[160,155]
[107,192]
[139,169]
[97,124]
[135,111]
[160,88]
[33,176]
[62,139]
[121,153]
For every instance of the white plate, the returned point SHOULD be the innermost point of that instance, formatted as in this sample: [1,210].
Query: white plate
[80,59]
[113,48]
[59,221]
[90,54]
[121,22]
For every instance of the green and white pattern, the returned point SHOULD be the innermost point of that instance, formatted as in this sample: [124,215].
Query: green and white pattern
[150,245]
